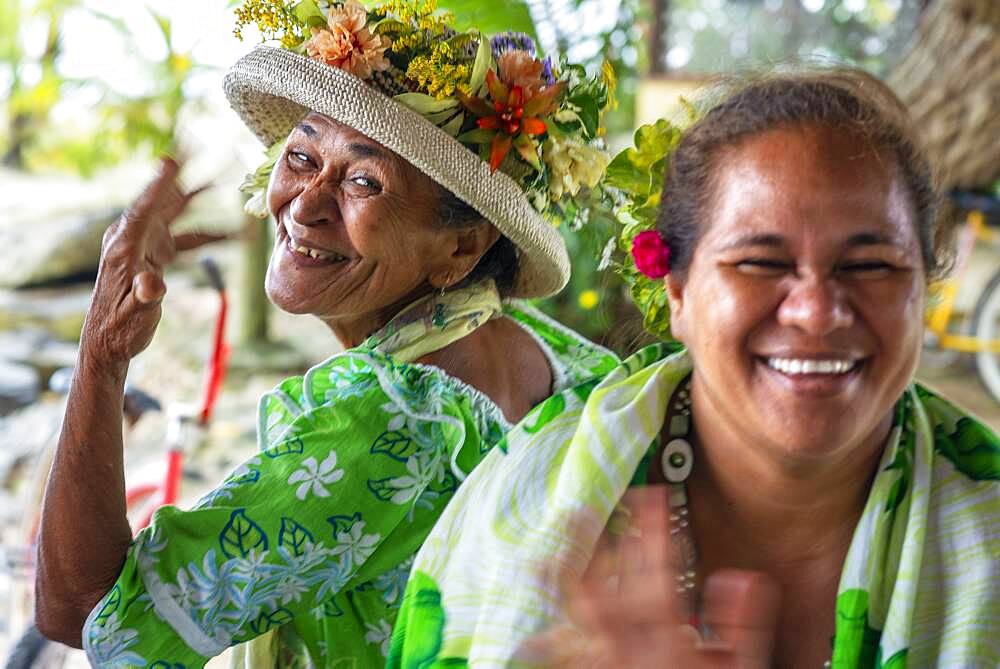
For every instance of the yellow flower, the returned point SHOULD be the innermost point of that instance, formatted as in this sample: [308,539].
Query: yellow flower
[439,74]
[611,81]
[572,164]
[589,299]
[347,43]
[272,18]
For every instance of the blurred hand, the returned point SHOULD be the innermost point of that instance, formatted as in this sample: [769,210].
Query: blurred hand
[625,611]
[125,308]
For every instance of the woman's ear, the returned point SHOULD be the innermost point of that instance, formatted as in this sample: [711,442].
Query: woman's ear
[468,245]
[674,288]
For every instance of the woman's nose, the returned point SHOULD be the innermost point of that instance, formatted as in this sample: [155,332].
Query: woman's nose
[816,306]
[316,204]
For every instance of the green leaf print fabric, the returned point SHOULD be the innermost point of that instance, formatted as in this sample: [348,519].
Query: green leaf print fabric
[315,535]
[920,586]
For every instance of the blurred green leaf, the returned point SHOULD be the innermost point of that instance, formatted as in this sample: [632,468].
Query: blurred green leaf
[10,19]
[309,13]
[163,23]
[491,17]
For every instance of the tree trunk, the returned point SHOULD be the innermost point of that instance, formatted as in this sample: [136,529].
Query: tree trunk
[950,79]
[254,309]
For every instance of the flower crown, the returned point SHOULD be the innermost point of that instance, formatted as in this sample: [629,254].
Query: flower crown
[536,120]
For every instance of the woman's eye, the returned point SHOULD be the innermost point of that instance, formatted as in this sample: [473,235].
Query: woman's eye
[763,266]
[867,267]
[366,182]
[299,158]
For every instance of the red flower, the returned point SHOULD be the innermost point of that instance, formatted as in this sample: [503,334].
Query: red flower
[512,118]
[651,254]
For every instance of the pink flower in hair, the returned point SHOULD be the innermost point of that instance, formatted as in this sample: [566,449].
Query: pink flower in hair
[651,254]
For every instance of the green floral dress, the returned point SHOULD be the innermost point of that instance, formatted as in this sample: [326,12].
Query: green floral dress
[315,535]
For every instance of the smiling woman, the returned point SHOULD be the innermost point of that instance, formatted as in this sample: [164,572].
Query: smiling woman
[797,499]
[408,219]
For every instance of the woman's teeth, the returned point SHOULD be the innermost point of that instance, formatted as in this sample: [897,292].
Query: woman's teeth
[313,253]
[795,366]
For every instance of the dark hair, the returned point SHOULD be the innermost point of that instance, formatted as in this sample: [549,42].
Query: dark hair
[846,99]
[500,261]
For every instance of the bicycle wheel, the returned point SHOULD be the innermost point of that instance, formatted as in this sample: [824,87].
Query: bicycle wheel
[34,651]
[937,359]
[986,326]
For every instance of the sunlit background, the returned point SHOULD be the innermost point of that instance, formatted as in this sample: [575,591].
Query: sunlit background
[92,91]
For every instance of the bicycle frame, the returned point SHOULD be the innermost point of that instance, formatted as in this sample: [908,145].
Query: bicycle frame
[939,315]
[181,418]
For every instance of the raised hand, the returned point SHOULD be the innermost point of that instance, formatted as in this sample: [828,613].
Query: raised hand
[125,308]
[625,612]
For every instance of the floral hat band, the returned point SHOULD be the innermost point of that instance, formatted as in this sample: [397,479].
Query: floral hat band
[534,119]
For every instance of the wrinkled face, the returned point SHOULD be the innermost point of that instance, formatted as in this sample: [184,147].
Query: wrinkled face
[357,229]
[802,307]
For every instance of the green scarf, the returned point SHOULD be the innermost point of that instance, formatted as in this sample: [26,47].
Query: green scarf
[920,586]
[434,321]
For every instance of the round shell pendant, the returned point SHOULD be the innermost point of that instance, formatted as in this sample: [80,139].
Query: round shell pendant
[677,460]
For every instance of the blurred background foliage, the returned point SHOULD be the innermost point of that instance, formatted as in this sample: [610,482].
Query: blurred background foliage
[116,125]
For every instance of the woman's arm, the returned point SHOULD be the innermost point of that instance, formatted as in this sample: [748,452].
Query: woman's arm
[84,532]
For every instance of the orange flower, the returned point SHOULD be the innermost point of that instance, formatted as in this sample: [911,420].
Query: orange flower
[519,68]
[347,43]
[513,118]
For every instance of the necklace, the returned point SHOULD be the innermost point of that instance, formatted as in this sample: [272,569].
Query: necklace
[676,463]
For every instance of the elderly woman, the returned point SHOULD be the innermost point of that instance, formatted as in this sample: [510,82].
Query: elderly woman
[405,243]
[821,506]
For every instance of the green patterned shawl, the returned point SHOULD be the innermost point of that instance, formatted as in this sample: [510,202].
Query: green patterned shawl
[920,586]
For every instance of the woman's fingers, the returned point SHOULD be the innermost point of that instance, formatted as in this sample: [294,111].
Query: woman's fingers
[148,288]
[186,241]
[161,248]
[645,547]
[741,608]
[176,202]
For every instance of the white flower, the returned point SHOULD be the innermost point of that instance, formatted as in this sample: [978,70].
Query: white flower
[572,164]
[110,644]
[313,477]
[354,545]
[399,420]
[331,578]
[380,634]
[290,588]
[421,471]
[392,583]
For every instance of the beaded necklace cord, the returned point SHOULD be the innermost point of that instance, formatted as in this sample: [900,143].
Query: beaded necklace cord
[676,463]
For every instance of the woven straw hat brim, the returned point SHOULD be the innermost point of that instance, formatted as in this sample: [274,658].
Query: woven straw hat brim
[272,89]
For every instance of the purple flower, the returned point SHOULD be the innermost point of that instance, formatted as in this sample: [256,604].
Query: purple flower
[511,41]
[547,75]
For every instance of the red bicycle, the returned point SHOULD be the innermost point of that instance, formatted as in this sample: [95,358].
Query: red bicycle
[187,426]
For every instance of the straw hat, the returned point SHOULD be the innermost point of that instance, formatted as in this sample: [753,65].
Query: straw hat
[485,118]
[272,89]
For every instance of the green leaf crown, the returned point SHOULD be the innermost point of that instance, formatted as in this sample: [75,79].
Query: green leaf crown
[633,188]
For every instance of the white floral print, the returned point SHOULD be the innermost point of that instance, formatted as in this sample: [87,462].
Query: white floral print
[354,545]
[314,478]
[381,635]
